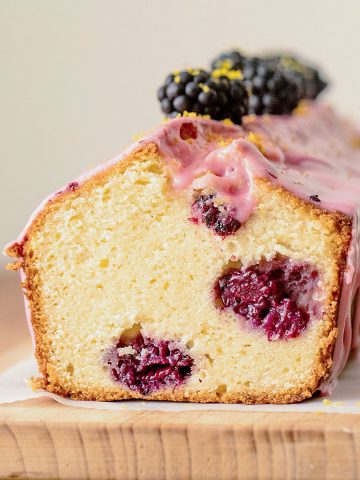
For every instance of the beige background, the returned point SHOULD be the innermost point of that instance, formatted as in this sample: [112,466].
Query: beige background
[78,78]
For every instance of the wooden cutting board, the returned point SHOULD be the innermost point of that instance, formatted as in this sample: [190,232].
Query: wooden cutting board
[40,438]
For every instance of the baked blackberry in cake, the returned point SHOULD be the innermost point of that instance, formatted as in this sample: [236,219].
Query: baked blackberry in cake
[209,262]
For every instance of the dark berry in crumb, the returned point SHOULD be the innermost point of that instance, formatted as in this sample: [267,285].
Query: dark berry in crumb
[197,91]
[272,297]
[219,218]
[153,365]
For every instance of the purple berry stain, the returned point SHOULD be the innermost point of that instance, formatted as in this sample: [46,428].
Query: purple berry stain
[72,186]
[219,218]
[276,297]
[151,366]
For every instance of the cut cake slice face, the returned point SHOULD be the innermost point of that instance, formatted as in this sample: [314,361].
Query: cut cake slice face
[208,263]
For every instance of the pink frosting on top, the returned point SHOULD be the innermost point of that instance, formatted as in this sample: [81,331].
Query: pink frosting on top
[314,154]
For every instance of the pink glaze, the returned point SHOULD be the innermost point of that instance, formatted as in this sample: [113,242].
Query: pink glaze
[228,170]
[314,154]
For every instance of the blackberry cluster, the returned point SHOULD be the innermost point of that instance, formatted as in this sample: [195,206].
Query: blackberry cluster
[309,80]
[200,92]
[271,89]
[238,85]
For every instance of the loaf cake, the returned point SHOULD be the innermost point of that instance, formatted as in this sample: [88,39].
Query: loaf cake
[214,261]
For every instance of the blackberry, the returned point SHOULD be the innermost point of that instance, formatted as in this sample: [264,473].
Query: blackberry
[276,82]
[271,89]
[309,79]
[233,60]
[198,91]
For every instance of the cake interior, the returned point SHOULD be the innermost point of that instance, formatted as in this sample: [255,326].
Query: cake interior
[119,255]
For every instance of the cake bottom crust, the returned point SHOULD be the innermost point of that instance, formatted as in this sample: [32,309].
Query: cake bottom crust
[176,395]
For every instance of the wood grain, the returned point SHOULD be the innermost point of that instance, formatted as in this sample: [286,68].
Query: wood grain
[41,439]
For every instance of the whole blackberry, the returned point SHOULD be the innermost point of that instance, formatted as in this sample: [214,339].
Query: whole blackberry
[271,90]
[233,60]
[276,82]
[309,78]
[197,91]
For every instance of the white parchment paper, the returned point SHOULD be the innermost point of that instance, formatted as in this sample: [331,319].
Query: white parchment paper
[345,398]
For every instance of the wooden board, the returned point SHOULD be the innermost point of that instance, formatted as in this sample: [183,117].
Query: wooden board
[40,438]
